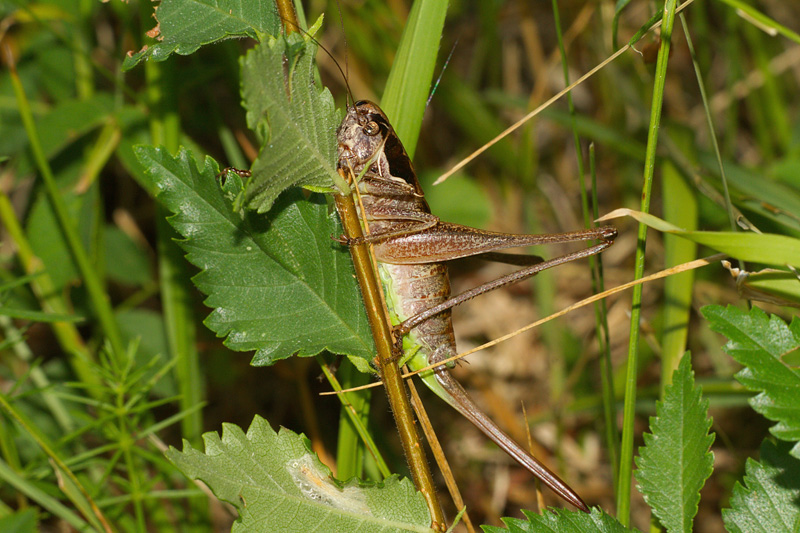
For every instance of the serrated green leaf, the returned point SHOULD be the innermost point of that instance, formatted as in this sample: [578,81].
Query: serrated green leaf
[278,484]
[278,282]
[186,25]
[675,461]
[768,500]
[562,521]
[295,120]
[764,345]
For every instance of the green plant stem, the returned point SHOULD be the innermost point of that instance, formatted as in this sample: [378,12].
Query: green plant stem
[595,264]
[97,157]
[712,132]
[174,277]
[603,340]
[629,412]
[554,334]
[390,373]
[126,444]
[94,285]
[176,302]
[355,408]
[178,321]
[84,81]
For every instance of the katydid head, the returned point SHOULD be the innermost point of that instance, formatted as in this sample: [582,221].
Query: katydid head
[367,139]
[362,135]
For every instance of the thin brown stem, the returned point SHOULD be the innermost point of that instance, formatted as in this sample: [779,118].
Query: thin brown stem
[382,334]
[390,373]
[288,15]
[438,454]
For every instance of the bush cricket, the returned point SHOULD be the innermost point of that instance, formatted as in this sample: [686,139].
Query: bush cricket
[410,245]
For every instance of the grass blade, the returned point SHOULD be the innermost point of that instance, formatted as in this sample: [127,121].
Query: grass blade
[626,446]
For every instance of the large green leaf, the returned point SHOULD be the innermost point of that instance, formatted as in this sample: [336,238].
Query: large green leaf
[768,500]
[675,461]
[186,25]
[278,282]
[295,120]
[278,484]
[562,520]
[768,349]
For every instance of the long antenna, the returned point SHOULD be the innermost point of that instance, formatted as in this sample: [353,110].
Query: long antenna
[319,44]
[444,67]
[346,64]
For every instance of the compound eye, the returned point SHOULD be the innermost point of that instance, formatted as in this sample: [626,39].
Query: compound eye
[371,128]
